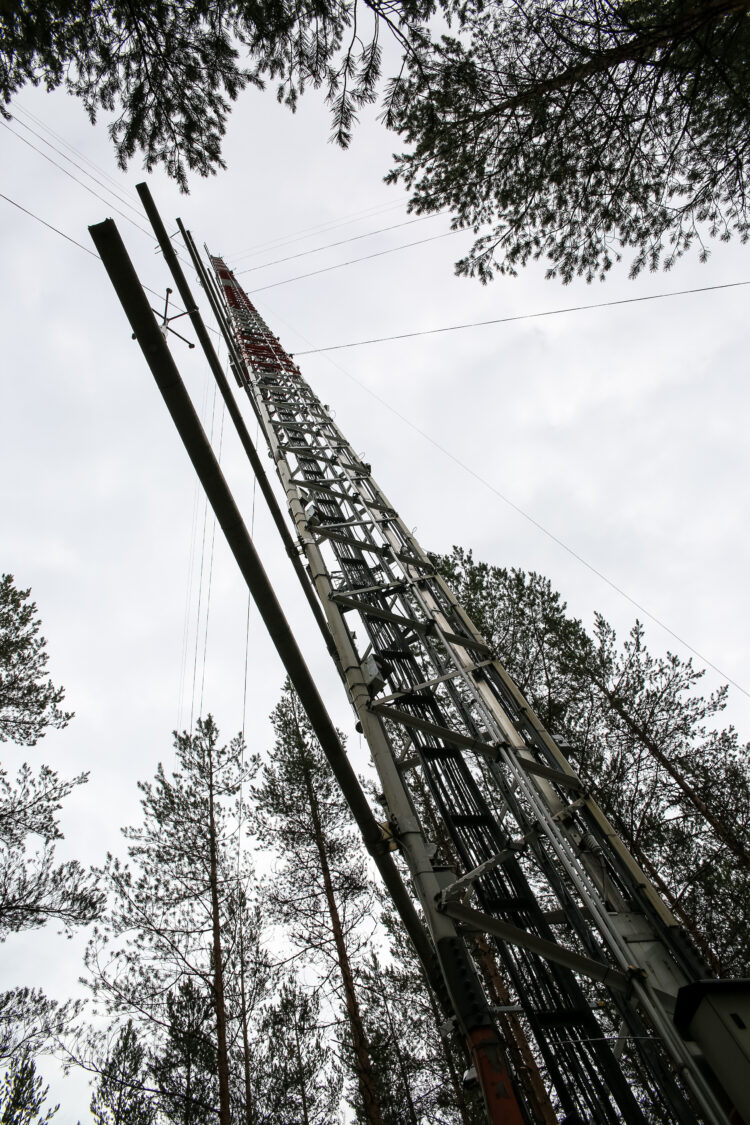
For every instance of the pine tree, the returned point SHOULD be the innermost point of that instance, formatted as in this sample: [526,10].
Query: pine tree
[644,740]
[119,1097]
[416,1063]
[300,1084]
[28,698]
[249,985]
[577,131]
[525,621]
[677,786]
[170,69]
[34,889]
[320,890]
[628,132]
[30,1022]
[184,1069]
[166,951]
[23,1094]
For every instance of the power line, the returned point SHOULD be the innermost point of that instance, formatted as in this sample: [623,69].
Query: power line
[524,316]
[86,249]
[107,202]
[75,179]
[526,515]
[186,619]
[341,242]
[148,234]
[200,577]
[48,129]
[49,226]
[553,312]
[211,565]
[307,232]
[353,261]
[112,190]
[208,384]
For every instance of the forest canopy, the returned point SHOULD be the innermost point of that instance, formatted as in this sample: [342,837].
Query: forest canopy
[575,131]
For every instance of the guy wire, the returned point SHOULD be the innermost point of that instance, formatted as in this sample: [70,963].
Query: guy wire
[191,574]
[200,578]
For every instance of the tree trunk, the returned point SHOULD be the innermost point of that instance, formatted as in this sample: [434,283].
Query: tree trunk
[188,1107]
[363,1063]
[301,1073]
[120,1091]
[249,1105]
[222,1057]
[401,1067]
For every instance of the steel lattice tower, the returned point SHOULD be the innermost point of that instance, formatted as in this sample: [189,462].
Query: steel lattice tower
[498,782]
[588,951]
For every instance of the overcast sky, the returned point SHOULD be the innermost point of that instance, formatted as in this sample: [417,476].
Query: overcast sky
[622,431]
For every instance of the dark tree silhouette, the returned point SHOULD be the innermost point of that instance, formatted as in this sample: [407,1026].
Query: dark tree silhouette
[579,130]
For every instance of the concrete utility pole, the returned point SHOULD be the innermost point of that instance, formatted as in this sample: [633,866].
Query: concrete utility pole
[578,933]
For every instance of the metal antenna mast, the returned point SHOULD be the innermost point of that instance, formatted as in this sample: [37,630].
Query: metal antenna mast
[590,955]
[440,713]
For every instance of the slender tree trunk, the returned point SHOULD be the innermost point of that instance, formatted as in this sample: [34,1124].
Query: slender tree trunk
[363,1063]
[188,1107]
[118,1109]
[301,1072]
[249,1105]
[401,1067]
[222,1056]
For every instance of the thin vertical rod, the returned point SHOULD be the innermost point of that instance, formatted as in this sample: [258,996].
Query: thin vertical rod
[234,411]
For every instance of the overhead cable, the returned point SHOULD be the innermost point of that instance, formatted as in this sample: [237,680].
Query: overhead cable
[48,225]
[86,250]
[531,519]
[112,190]
[17,108]
[74,178]
[561,543]
[80,183]
[308,232]
[524,316]
[342,242]
[353,261]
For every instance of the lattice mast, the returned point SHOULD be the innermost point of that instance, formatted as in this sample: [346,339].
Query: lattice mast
[580,935]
